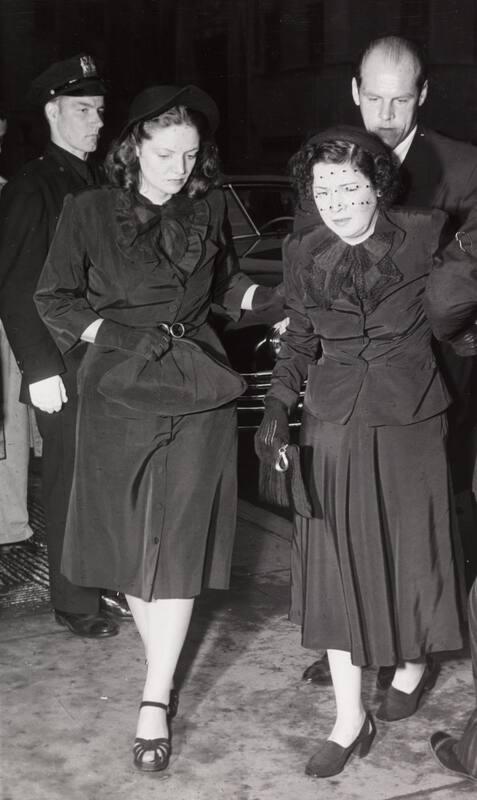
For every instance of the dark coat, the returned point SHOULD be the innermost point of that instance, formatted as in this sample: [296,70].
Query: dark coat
[169,267]
[439,172]
[168,524]
[377,360]
[30,205]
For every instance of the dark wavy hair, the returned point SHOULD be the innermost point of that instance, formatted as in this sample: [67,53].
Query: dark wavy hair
[122,162]
[380,169]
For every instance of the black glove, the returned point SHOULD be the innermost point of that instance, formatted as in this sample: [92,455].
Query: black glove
[273,432]
[150,343]
[465,343]
[268,297]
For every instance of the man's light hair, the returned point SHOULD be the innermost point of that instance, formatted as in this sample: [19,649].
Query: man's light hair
[395,49]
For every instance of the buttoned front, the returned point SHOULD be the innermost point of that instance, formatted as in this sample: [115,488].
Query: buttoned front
[152,509]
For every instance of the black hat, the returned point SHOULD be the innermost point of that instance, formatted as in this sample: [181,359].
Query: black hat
[75,76]
[156,99]
[350,133]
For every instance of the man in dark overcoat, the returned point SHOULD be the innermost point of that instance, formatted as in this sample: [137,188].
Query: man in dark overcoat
[389,86]
[71,94]
[451,305]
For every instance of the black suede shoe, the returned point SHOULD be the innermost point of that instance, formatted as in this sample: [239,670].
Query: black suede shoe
[330,759]
[90,626]
[442,748]
[398,705]
[116,604]
[318,672]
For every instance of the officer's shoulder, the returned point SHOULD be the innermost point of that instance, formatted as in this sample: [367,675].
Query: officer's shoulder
[35,175]
[31,174]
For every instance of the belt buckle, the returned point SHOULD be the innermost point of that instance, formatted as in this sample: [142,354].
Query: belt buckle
[177,330]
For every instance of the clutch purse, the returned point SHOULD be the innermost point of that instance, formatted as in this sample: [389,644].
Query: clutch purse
[185,380]
[282,484]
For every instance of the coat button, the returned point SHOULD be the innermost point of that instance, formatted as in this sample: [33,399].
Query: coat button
[156,540]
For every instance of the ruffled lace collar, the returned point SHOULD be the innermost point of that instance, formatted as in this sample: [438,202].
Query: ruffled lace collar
[174,232]
[361,273]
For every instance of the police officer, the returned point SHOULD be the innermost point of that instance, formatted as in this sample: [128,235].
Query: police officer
[72,96]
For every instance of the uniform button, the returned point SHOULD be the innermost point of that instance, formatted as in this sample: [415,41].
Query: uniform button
[156,540]
[173,307]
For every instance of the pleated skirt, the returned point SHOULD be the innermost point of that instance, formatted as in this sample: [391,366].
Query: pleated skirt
[152,511]
[377,570]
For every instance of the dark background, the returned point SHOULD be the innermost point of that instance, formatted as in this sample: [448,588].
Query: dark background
[277,68]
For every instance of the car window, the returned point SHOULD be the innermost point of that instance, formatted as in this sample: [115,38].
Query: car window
[270,207]
[240,223]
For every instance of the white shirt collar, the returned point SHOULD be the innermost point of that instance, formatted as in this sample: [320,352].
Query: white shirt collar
[402,148]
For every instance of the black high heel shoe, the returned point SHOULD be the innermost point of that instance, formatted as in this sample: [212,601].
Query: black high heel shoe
[331,758]
[161,747]
[399,705]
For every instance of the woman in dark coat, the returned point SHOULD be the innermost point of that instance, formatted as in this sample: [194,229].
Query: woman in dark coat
[373,572]
[133,270]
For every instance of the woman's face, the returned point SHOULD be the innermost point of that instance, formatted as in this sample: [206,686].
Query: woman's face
[166,161]
[346,200]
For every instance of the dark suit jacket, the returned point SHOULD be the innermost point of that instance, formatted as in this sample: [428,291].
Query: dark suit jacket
[451,298]
[364,304]
[30,205]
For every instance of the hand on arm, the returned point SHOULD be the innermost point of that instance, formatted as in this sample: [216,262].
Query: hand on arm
[49,394]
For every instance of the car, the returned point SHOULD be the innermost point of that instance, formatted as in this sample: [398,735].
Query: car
[261,211]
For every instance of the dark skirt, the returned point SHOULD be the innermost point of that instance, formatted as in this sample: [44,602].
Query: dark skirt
[374,572]
[153,506]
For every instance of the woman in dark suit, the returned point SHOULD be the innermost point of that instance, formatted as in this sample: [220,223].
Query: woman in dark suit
[373,572]
[133,271]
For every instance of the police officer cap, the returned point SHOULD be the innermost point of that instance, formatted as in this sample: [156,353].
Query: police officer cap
[76,76]
[156,100]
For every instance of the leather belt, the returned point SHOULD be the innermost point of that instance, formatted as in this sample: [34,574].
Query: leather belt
[178,329]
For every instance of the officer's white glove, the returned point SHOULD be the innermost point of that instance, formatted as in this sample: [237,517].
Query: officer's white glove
[49,394]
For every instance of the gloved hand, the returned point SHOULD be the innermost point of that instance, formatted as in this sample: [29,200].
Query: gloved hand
[465,343]
[150,343]
[273,432]
[268,296]
[48,394]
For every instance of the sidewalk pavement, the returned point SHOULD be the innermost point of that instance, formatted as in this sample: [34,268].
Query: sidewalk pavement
[246,723]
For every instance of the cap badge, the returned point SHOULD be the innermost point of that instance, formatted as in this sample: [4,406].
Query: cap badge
[88,67]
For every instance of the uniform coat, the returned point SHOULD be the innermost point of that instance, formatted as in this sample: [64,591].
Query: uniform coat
[373,571]
[30,205]
[153,503]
